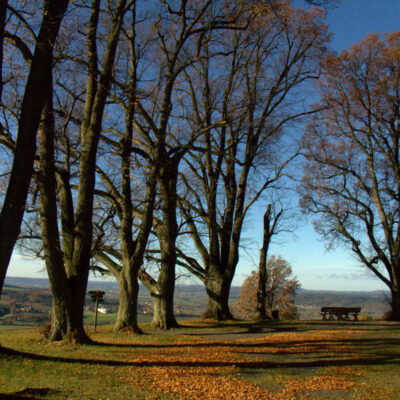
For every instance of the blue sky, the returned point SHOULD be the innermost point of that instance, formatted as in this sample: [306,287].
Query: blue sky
[315,268]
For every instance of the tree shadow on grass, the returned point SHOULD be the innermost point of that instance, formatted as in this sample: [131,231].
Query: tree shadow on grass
[367,343]
[28,393]
[270,326]
[376,359]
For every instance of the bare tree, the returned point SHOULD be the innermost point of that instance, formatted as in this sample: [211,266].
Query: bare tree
[352,169]
[161,131]
[125,260]
[68,278]
[257,96]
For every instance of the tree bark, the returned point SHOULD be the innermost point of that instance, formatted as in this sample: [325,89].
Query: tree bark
[96,95]
[32,105]
[163,299]
[395,304]
[218,287]
[53,255]
[262,268]
[132,259]
[167,232]
[128,300]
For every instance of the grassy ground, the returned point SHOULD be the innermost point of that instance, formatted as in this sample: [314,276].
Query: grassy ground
[297,360]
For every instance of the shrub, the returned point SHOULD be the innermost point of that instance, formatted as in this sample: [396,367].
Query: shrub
[365,317]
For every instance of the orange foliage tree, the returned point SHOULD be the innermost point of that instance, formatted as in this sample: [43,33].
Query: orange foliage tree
[352,170]
[281,288]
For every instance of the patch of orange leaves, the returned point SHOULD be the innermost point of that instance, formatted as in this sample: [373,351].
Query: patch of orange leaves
[188,371]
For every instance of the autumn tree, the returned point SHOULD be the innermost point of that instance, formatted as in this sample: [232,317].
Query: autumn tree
[280,288]
[351,177]
[36,88]
[258,93]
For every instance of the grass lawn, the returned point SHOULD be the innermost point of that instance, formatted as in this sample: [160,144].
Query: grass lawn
[280,360]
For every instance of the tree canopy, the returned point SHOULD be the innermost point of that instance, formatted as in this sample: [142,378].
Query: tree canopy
[280,290]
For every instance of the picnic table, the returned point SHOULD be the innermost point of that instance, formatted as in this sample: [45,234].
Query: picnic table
[341,313]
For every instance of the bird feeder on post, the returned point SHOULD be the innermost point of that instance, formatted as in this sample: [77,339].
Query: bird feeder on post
[98,297]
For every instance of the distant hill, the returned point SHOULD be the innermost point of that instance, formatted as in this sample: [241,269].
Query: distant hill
[44,283]
[192,299]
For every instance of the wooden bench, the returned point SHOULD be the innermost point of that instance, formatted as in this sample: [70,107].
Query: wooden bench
[341,313]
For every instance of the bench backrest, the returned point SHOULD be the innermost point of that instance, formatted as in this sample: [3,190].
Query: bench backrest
[341,309]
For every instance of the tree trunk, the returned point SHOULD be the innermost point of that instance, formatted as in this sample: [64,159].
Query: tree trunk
[163,300]
[59,319]
[96,96]
[32,104]
[395,304]
[167,232]
[128,300]
[77,333]
[261,313]
[218,287]
[53,255]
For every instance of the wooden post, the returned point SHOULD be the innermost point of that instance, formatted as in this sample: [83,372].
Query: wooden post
[97,296]
[95,313]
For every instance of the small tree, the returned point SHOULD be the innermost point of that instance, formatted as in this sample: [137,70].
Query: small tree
[281,288]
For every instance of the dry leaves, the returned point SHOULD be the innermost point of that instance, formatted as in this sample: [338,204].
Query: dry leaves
[203,370]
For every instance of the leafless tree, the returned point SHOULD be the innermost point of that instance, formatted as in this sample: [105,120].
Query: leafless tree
[352,171]
[69,274]
[258,95]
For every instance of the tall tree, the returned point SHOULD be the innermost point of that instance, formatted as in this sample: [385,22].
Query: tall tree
[193,23]
[179,32]
[67,258]
[125,260]
[36,89]
[53,255]
[269,64]
[352,170]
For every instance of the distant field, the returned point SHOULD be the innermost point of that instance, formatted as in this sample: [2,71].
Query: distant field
[102,319]
[273,361]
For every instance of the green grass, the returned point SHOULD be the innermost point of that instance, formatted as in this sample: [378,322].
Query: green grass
[284,356]
[102,319]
